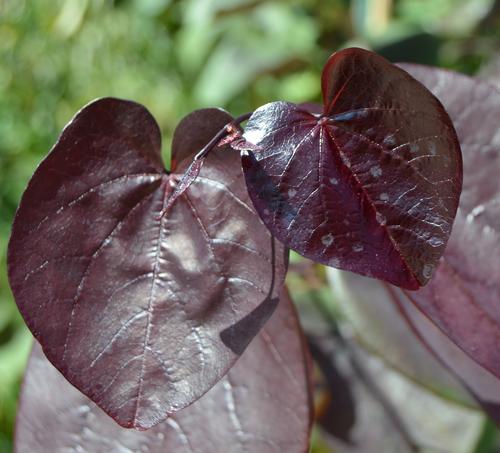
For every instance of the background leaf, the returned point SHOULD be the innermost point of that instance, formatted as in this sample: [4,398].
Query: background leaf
[481,383]
[409,381]
[244,411]
[462,298]
[380,327]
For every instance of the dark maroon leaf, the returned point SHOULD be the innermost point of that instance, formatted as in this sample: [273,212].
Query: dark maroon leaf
[131,306]
[191,174]
[463,297]
[262,405]
[372,184]
[194,132]
[481,383]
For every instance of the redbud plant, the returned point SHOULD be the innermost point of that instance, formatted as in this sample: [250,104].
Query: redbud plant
[159,294]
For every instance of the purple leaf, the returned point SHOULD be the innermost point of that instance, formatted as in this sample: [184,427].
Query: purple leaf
[265,411]
[481,383]
[194,132]
[133,307]
[463,297]
[368,306]
[381,326]
[191,174]
[372,184]
[354,414]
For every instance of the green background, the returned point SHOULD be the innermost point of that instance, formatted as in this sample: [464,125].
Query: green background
[177,56]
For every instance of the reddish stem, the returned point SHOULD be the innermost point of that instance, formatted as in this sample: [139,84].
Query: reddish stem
[193,170]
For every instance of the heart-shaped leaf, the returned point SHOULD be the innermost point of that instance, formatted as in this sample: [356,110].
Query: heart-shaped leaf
[463,297]
[372,184]
[142,312]
[262,405]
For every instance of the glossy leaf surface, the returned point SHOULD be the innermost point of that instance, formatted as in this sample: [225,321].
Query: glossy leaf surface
[372,184]
[265,411]
[194,131]
[463,298]
[143,313]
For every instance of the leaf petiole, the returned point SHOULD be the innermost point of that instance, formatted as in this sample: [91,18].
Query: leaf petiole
[230,131]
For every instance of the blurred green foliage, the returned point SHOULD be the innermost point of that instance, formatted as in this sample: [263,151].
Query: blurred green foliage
[176,56]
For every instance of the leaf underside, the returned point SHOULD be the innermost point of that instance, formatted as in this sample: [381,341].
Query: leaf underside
[388,323]
[245,411]
[484,386]
[372,184]
[368,306]
[142,312]
[462,298]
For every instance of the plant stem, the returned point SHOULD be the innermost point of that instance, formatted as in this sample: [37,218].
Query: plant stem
[194,168]
[227,129]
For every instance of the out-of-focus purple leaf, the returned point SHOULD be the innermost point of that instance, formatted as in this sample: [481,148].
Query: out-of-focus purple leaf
[379,327]
[481,383]
[141,312]
[431,423]
[421,389]
[262,405]
[372,184]
[413,344]
[463,297]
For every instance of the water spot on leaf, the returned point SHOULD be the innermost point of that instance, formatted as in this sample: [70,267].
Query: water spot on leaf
[427,271]
[435,241]
[327,240]
[414,147]
[375,171]
[389,140]
[358,247]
